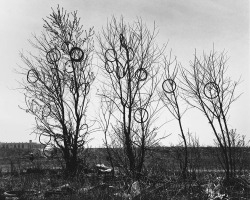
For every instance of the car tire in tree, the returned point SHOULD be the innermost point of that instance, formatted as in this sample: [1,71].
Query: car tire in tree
[211,90]
[110,55]
[32,76]
[141,115]
[44,138]
[76,54]
[169,86]
[53,56]
[141,74]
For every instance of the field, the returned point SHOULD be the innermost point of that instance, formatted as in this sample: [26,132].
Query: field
[42,178]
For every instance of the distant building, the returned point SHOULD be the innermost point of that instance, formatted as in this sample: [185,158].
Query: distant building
[21,145]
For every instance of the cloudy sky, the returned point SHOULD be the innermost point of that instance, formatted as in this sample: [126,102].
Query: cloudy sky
[185,24]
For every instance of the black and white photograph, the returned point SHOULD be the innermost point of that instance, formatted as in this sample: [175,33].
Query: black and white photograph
[125,100]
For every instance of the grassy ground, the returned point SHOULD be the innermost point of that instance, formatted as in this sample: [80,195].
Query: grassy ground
[92,186]
[161,181]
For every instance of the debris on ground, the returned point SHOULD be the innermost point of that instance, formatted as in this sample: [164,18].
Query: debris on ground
[20,194]
[62,190]
[135,189]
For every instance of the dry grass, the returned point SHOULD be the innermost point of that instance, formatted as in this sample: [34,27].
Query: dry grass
[208,186]
[161,180]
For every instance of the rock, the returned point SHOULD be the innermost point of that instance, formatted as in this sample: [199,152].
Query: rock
[135,189]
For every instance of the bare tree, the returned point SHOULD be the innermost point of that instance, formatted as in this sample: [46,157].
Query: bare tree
[59,76]
[171,98]
[208,89]
[130,66]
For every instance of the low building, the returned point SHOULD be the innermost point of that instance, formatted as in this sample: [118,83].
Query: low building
[21,145]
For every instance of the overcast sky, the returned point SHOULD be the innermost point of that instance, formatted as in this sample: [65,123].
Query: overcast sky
[185,24]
